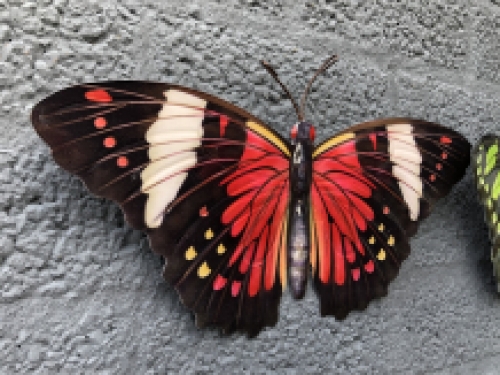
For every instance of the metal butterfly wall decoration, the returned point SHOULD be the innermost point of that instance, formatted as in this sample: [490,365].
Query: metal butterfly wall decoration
[487,158]
[237,211]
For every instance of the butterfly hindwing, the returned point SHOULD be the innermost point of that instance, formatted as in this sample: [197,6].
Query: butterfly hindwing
[487,172]
[372,185]
[186,167]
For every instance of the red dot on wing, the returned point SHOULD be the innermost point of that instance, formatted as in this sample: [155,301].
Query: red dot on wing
[100,122]
[235,288]
[370,266]
[386,210]
[98,95]
[444,155]
[122,161]
[356,273]
[293,132]
[204,211]
[109,142]
[219,282]
[432,177]
[439,166]
[445,140]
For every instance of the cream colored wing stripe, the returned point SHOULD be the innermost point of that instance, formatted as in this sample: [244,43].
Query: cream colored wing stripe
[407,159]
[173,138]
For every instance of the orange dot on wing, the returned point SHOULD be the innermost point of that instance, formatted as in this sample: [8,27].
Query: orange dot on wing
[100,123]
[109,142]
[432,177]
[439,166]
[386,210]
[122,161]
[444,155]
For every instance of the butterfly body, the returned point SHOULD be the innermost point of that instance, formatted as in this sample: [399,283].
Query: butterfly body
[238,212]
[302,135]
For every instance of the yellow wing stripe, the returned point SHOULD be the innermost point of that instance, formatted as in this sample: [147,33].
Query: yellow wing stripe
[332,142]
[282,253]
[270,136]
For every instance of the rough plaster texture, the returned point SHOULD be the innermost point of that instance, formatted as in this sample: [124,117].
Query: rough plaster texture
[80,292]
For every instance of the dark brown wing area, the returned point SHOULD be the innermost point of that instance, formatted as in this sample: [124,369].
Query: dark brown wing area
[372,185]
[166,155]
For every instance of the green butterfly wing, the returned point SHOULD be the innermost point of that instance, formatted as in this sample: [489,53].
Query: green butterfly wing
[487,170]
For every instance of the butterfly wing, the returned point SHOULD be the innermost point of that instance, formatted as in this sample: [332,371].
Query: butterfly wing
[199,175]
[487,170]
[372,185]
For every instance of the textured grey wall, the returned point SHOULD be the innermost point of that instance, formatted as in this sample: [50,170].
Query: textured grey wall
[81,292]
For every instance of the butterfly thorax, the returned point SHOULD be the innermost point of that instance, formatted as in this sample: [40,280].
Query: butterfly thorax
[300,181]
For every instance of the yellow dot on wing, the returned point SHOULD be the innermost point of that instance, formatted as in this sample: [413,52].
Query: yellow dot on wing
[209,234]
[487,188]
[489,203]
[191,253]
[204,270]
[221,249]
[390,240]
[381,227]
[494,218]
[371,240]
[381,254]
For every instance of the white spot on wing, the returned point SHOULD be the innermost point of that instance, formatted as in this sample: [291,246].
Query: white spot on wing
[407,159]
[172,138]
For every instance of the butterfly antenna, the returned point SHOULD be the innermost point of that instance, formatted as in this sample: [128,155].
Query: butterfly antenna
[325,66]
[273,73]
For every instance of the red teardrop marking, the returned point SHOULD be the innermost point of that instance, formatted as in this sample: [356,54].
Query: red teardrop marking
[100,123]
[445,140]
[219,282]
[444,156]
[223,121]
[235,288]
[370,266]
[386,210]
[98,95]
[122,161]
[432,177]
[203,211]
[439,166]
[312,133]
[109,142]
[293,132]
[356,273]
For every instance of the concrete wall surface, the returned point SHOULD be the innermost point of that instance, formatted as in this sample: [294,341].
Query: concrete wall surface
[81,292]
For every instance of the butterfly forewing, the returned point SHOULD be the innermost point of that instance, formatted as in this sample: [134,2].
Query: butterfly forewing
[199,175]
[487,171]
[372,185]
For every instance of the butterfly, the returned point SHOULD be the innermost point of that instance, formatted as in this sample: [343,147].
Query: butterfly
[238,212]
[487,171]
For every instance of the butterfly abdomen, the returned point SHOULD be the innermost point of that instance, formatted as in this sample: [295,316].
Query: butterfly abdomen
[298,250]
